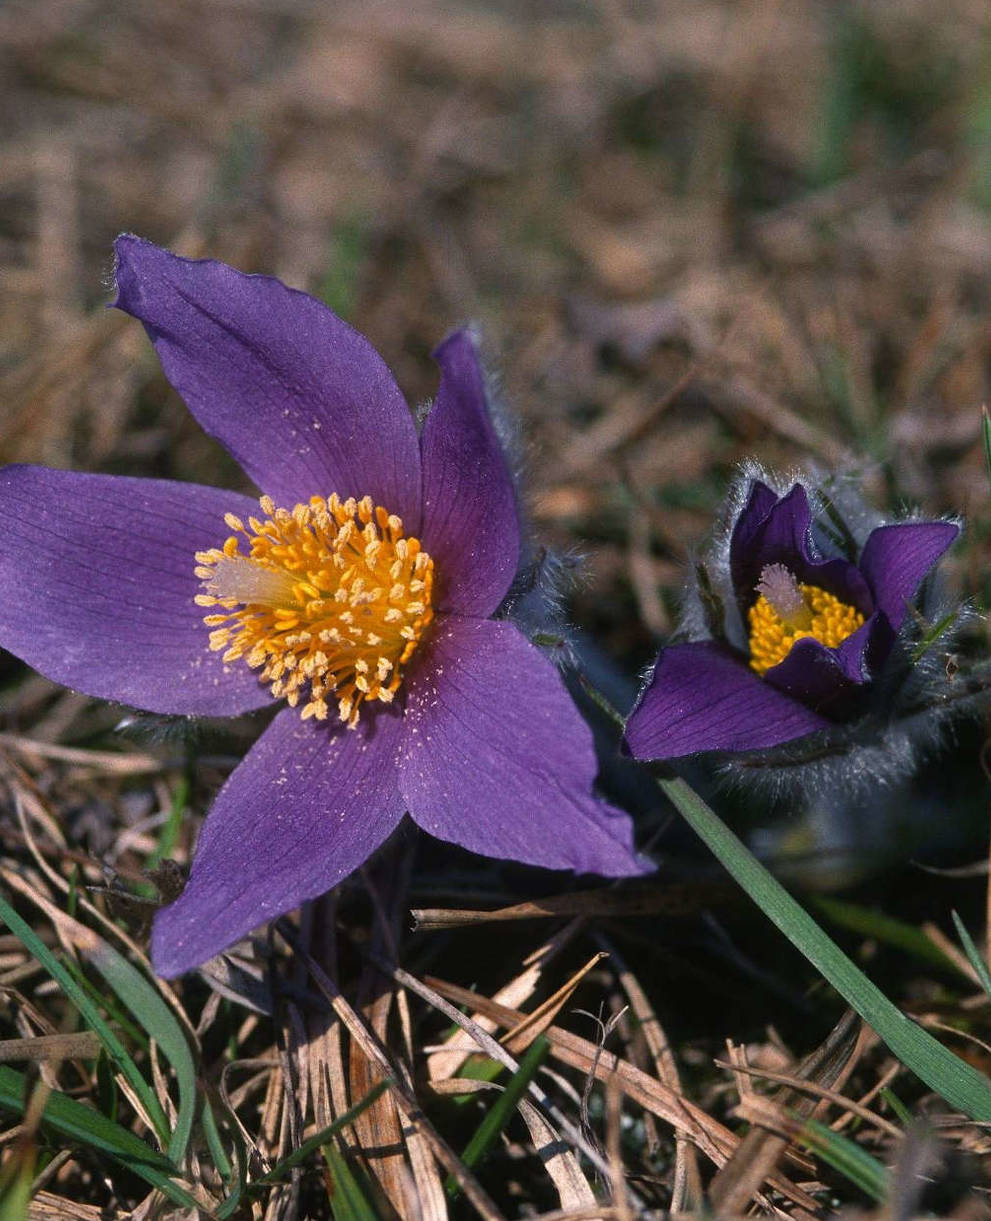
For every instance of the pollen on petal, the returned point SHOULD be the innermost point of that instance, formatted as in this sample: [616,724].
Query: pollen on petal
[329,601]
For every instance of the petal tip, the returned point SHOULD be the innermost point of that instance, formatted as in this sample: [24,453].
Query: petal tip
[953,531]
[635,866]
[128,248]
[464,340]
[167,958]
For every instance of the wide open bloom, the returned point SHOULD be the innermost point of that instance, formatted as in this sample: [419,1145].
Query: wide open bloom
[359,590]
[805,622]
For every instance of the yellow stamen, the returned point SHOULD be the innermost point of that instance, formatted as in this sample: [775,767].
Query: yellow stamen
[786,611]
[330,599]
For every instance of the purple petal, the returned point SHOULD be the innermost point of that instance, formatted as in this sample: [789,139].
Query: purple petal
[821,677]
[832,680]
[896,558]
[470,523]
[99,586]
[497,759]
[301,400]
[703,697]
[309,804]
[759,504]
[779,534]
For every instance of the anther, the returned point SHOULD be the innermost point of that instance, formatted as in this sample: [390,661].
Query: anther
[786,612]
[329,597]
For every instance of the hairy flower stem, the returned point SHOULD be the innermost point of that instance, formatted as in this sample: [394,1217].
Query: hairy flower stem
[956,1081]
[600,701]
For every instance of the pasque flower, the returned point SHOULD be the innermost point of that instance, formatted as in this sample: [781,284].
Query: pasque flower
[803,627]
[359,590]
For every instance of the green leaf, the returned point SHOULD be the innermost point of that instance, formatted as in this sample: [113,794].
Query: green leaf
[158,1020]
[237,1186]
[986,436]
[16,1178]
[475,1068]
[319,1139]
[844,1155]
[347,1196]
[76,1122]
[500,1113]
[212,1134]
[961,1085]
[237,1175]
[933,633]
[478,1068]
[173,824]
[155,1020]
[886,929]
[902,1113]
[89,1012]
[973,954]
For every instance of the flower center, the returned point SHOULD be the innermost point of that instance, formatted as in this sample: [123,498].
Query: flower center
[786,611]
[330,598]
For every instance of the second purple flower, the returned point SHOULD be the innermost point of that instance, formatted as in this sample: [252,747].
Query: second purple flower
[803,624]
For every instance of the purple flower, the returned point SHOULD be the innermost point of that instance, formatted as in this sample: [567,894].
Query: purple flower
[359,590]
[802,624]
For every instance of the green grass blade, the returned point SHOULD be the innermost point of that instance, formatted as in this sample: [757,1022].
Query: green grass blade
[886,929]
[230,1205]
[76,1122]
[237,1175]
[114,1047]
[502,1110]
[317,1141]
[973,954]
[347,1197]
[933,633]
[235,1199]
[117,1015]
[477,1068]
[855,1164]
[986,437]
[216,1146]
[16,1177]
[961,1085]
[173,824]
[902,1113]
[143,1000]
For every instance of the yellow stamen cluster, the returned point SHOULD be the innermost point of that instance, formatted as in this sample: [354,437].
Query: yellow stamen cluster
[330,599]
[786,611]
